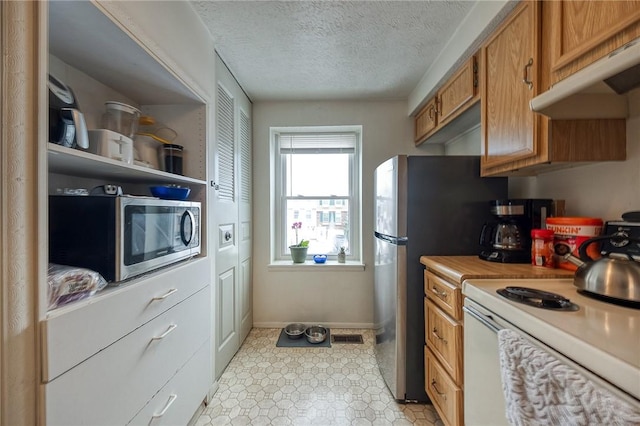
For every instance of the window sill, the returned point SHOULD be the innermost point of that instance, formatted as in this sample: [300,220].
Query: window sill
[330,265]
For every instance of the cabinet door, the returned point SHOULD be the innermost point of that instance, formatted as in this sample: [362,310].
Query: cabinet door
[509,81]
[459,90]
[585,31]
[425,121]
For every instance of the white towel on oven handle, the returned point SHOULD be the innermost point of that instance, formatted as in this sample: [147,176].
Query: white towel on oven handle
[539,389]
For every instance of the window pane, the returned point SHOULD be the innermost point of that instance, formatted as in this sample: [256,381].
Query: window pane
[326,231]
[317,174]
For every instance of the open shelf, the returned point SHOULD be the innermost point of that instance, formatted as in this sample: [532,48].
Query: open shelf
[73,162]
[84,37]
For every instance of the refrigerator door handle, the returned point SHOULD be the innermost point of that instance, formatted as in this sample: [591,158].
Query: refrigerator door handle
[398,241]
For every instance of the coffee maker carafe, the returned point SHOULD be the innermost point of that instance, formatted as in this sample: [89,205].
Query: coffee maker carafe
[508,238]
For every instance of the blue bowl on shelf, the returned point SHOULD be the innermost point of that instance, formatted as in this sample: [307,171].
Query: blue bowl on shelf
[320,258]
[170,192]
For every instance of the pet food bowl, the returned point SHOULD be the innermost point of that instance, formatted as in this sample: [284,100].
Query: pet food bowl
[169,192]
[316,334]
[294,331]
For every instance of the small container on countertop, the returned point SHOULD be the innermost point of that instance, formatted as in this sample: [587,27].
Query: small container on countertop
[542,248]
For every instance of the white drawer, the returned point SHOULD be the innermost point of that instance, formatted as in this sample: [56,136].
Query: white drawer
[112,386]
[179,399]
[71,335]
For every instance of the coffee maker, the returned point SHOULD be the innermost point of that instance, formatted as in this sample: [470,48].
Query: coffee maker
[66,123]
[508,238]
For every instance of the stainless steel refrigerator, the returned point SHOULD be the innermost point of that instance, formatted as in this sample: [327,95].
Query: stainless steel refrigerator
[424,205]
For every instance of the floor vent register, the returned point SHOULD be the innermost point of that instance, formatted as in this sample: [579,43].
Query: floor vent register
[346,338]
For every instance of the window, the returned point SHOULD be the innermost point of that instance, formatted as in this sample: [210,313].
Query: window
[317,187]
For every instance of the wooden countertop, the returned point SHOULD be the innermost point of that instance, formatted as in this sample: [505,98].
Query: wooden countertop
[460,268]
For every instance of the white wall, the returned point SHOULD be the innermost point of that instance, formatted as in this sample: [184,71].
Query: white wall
[342,299]
[468,143]
[604,190]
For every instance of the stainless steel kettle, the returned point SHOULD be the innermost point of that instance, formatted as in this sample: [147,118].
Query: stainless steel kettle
[616,276]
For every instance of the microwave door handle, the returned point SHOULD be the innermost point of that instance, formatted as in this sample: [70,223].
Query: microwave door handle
[192,219]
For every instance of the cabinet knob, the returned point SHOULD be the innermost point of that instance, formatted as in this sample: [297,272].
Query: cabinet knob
[227,236]
[215,185]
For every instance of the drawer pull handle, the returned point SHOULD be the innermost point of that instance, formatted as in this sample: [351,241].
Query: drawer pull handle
[442,339]
[164,296]
[525,74]
[440,294]
[172,398]
[440,394]
[166,333]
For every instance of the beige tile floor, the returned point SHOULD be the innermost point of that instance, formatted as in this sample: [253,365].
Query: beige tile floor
[341,385]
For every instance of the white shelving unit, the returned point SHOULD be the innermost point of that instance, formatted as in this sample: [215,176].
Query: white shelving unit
[131,327]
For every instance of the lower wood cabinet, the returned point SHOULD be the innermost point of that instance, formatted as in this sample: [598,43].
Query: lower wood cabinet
[445,394]
[444,327]
[443,350]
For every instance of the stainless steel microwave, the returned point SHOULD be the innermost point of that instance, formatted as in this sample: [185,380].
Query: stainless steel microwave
[121,237]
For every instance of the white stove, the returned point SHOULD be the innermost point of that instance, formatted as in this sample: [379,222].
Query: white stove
[601,337]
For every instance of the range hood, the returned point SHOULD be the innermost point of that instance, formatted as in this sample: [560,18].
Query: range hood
[597,91]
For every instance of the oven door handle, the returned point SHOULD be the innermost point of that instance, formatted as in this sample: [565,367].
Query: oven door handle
[484,319]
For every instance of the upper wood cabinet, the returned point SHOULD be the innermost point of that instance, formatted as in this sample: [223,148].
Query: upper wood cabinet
[516,67]
[509,81]
[585,31]
[426,120]
[451,102]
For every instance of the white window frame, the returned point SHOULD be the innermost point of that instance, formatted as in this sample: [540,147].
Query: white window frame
[278,204]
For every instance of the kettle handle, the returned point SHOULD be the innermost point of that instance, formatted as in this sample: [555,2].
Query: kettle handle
[582,250]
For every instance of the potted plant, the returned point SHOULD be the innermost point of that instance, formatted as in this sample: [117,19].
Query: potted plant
[342,255]
[299,249]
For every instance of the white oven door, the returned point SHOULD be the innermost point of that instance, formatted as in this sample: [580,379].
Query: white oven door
[484,402]
[483,398]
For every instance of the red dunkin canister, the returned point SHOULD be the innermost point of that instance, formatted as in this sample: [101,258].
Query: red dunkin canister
[569,233]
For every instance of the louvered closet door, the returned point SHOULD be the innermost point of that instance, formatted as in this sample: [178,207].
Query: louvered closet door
[245,222]
[225,211]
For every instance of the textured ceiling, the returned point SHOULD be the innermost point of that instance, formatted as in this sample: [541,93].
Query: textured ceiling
[320,50]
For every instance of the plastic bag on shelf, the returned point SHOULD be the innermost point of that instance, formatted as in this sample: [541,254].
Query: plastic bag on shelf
[69,283]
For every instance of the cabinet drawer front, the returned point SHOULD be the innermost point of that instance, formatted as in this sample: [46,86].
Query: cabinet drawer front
[179,399]
[129,372]
[445,395]
[444,337]
[73,334]
[444,294]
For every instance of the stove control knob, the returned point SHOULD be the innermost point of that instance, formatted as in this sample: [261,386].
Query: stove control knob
[619,239]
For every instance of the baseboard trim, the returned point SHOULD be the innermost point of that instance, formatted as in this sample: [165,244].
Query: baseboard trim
[367,326]
[212,390]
